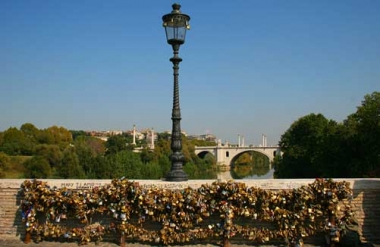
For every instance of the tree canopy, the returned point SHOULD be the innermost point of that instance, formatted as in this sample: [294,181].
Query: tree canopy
[314,146]
[56,152]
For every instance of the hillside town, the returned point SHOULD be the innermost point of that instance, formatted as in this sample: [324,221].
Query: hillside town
[147,134]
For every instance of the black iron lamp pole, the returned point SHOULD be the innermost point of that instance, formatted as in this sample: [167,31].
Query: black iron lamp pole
[176,24]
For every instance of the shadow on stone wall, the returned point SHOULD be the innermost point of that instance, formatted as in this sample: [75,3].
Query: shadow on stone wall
[18,223]
[369,190]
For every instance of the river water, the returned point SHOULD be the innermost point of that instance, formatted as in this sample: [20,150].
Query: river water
[229,175]
[268,175]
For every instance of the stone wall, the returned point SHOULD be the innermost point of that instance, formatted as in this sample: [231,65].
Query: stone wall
[366,201]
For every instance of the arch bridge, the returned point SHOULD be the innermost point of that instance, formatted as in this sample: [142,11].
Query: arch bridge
[225,155]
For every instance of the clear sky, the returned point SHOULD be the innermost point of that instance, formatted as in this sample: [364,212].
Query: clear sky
[249,67]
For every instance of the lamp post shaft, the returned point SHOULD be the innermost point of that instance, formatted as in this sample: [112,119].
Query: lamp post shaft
[176,172]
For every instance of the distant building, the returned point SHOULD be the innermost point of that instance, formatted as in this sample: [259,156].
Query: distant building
[147,134]
[169,132]
[103,138]
[204,137]
[115,132]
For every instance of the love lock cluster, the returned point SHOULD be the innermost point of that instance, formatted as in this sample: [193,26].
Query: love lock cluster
[221,210]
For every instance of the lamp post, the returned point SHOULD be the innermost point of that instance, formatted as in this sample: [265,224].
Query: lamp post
[176,24]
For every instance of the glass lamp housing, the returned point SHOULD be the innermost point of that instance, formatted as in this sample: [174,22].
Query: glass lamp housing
[176,24]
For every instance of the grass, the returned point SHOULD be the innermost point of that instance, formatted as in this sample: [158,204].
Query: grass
[16,168]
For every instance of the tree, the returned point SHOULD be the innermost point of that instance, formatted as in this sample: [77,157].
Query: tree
[363,131]
[195,167]
[1,139]
[98,169]
[30,131]
[77,133]
[165,164]
[70,167]
[4,163]
[316,147]
[37,167]
[124,164]
[188,150]
[50,152]
[116,144]
[45,137]
[303,146]
[162,148]
[334,158]
[146,155]
[14,142]
[190,169]
[151,170]
[61,136]
[202,143]
[88,149]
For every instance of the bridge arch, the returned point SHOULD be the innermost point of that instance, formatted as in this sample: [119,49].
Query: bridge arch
[238,154]
[203,154]
[225,154]
[249,164]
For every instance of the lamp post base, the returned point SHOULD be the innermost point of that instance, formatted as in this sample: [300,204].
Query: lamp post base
[176,172]
[176,176]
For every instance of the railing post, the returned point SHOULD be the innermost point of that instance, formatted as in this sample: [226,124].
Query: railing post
[226,242]
[28,237]
[228,215]
[122,240]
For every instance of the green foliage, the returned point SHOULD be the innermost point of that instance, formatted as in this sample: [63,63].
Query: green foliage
[4,163]
[124,164]
[30,132]
[115,144]
[45,137]
[70,167]
[276,163]
[74,154]
[162,148]
[16,168]
[14,142]
[37,167]
[314,146]
[60,135]
[163,136]
[202,143]
[90,151]
[97,169]
[165,164]
[151,170]
[201,168]
[310,149]
[363,137]
[1,139]
[303,145]
[77,133]
[128,137]
[146,155]
[50,152]
[95,145]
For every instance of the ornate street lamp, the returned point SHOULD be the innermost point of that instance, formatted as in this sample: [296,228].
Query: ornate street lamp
[176,24]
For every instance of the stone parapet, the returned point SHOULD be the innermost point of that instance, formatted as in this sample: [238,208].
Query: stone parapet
[365,203]
[271,184]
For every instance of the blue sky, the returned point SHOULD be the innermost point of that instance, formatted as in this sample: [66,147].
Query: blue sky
[249,67]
